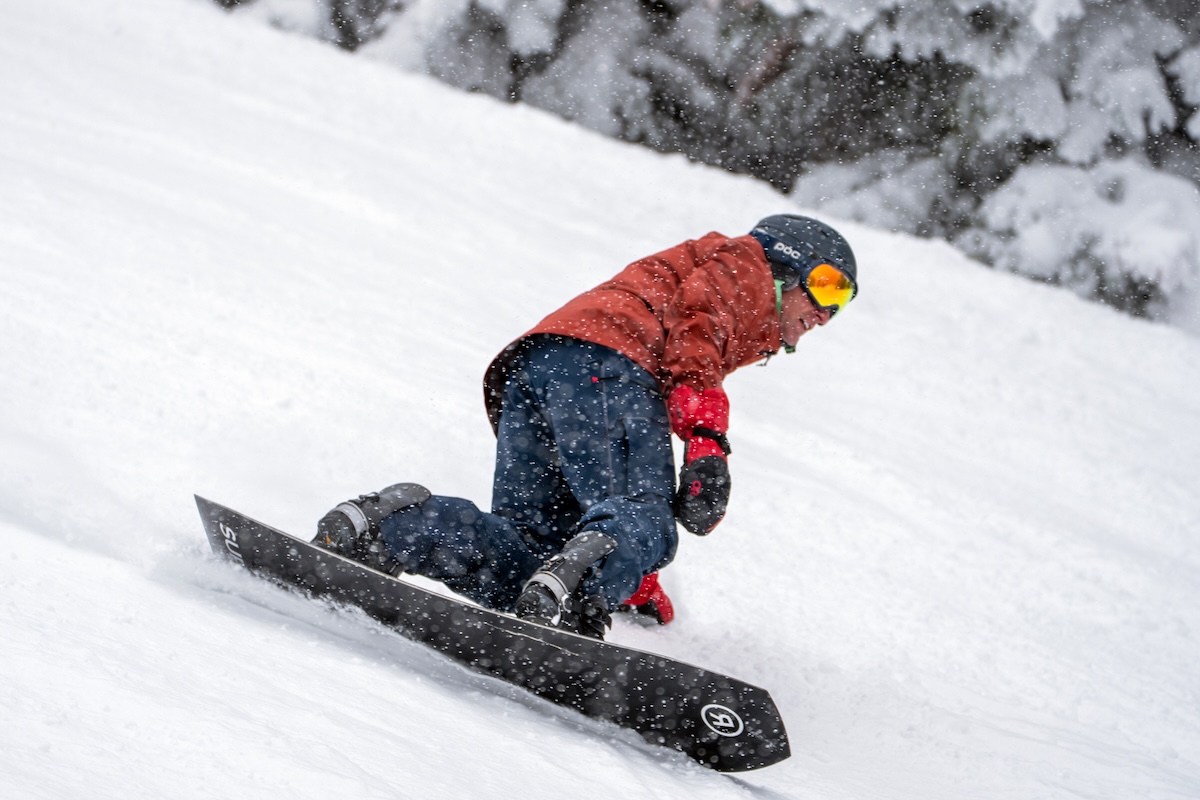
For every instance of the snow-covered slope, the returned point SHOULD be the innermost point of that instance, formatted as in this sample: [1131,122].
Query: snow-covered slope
[962,549]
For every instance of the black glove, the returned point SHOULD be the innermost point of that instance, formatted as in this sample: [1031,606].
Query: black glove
[703,494]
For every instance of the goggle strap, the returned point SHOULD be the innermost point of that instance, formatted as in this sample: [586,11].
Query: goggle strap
[787,348]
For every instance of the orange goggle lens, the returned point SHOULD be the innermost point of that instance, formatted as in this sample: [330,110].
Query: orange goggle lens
[828,286]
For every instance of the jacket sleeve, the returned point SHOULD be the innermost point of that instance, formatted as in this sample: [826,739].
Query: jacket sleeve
[720,318]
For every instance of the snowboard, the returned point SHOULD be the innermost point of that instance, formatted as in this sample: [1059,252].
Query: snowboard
[719,721]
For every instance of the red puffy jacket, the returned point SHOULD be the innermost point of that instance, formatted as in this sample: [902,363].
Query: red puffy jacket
[689,315]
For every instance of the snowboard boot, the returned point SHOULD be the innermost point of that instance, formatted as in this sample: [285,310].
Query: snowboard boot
[351,529]
[553,595]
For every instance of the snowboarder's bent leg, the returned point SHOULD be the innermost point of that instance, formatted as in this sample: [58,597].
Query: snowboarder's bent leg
[584,447]
[404,528]
[602,433]
[479,555]
[528,487]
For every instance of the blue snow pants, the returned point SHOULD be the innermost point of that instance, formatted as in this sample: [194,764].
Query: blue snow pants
[584,443]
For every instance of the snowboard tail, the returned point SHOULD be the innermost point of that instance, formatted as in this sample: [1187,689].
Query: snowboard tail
[721,722]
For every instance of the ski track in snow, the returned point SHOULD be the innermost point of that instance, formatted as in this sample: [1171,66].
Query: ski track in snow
[961,551]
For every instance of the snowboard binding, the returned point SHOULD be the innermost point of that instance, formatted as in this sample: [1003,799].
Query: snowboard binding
[351,529]
[554,595]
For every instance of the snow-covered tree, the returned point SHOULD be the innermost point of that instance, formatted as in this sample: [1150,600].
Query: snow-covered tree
[940,117]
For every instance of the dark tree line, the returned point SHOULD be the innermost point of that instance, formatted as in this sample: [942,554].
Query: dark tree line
[983,123]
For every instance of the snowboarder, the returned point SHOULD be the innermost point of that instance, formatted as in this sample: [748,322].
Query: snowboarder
[584,497]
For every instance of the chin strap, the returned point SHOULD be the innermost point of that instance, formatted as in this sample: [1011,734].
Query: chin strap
[787,348]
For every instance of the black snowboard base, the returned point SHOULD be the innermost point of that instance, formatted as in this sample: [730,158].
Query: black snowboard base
[719,721]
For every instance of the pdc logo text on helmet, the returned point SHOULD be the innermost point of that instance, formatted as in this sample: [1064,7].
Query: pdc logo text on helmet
[788,251]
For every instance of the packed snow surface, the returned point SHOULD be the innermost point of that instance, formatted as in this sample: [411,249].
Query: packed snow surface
[962,551]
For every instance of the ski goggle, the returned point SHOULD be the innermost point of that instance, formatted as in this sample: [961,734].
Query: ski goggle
[825,284]
[829,287]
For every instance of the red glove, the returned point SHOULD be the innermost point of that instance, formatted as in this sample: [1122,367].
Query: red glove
[701,419]
[651,600]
